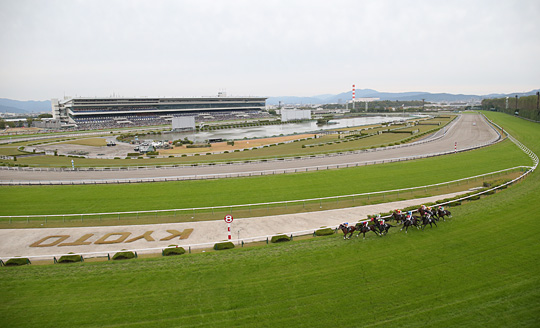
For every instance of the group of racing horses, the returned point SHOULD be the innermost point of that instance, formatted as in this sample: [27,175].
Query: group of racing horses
[380,227]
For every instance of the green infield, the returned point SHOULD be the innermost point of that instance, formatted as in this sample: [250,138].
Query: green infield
[478,269]
[28,200]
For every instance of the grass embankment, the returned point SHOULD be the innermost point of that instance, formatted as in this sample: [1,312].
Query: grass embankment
[25,200]
[479,269]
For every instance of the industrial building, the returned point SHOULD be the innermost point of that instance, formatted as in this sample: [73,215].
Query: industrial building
[150,111]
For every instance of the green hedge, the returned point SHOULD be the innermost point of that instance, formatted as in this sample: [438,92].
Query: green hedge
[173,250]
[70,258]
[224,245]
[280,238]
[17,261]
[324,232]
[124,256]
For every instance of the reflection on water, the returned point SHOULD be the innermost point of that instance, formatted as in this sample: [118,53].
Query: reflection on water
[274,130]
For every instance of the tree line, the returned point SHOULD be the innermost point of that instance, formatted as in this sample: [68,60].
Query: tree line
[527,107]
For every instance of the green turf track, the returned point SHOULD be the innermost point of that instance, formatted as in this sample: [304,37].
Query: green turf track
[480,269]
[187,194]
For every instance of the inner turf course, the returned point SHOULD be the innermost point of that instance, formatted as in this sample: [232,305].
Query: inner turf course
[479,269]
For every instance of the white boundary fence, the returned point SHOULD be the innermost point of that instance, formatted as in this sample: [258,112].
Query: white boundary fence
[530,153]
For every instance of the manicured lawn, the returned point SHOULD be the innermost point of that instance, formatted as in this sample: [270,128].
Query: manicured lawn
[479,269]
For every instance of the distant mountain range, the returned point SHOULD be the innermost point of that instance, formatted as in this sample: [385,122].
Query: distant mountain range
[370,93]
[24,107]
[31,106]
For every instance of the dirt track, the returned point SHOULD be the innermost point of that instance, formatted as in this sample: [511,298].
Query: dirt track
[468,131]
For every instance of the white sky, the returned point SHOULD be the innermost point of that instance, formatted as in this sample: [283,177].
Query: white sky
[266,48]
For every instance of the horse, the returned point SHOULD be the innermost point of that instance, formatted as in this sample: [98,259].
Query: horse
[346,230]
[362,229]
[398,217]
[413,221]
[383,228]
[443,213]
[428,220]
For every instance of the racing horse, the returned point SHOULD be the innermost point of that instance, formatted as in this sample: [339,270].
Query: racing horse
[427,219]
[443,213]
[413,221]
[383,228]
[398,217]
[347,230]
[362,229]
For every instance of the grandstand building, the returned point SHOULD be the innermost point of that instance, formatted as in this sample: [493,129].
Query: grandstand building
[149,111]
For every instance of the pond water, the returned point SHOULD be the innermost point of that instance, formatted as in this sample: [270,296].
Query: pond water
[274,130]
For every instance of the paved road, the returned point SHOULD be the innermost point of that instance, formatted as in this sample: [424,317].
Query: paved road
[468,131]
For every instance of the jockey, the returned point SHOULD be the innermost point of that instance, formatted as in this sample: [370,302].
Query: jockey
[381,221]
[346,224]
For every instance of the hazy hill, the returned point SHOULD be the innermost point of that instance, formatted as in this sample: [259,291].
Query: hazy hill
[24,107]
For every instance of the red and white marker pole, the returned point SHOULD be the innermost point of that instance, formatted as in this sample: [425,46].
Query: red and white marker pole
[455,147]
[229,220]
[353,95]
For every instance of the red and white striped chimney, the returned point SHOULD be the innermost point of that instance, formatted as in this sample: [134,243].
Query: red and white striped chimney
[353,96]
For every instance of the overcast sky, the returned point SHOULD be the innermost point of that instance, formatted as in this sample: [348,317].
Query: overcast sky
[266,48]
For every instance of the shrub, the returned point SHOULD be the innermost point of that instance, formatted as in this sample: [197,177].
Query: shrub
[124,255]
[224,245]
[70,258]
[324,232]
[477,197]
[280,238]
[454,204]
[17,261]
[173,250]
[133,154]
